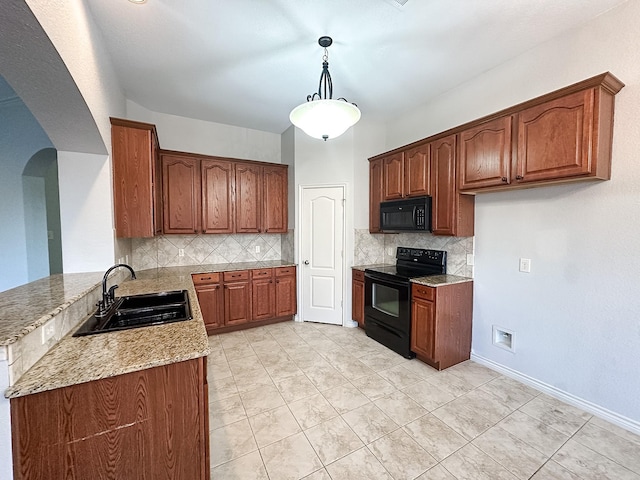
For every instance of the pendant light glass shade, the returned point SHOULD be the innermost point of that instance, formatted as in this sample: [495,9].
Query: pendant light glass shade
[325,119]
[321,116]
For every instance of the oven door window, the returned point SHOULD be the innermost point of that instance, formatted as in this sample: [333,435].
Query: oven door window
[386,299]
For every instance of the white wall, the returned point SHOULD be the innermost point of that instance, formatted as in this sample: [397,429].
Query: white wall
[85,214]
[576,315]
[209,138]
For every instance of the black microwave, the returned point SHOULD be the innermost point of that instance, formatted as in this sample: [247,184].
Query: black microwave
[408,215]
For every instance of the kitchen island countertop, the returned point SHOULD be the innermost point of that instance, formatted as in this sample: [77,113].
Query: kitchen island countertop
[77,360]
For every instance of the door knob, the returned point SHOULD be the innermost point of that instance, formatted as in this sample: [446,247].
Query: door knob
[306,262]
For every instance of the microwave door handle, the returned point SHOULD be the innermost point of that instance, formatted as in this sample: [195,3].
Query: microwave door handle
[415,216]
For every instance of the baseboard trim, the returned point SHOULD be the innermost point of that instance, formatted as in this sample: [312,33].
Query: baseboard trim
[601,412]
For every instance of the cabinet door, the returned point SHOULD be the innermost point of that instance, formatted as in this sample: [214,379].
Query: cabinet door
[443,185]
[286,304]
[217,196]
[484,158]
[423,328]
[393,175]
[417,171]
[357,302]
[157,184]
[376,194]
[554,138]
[134,163]
[275,218]
[237,303]
[181,194]
[211,305]
[248,205]
[262,294]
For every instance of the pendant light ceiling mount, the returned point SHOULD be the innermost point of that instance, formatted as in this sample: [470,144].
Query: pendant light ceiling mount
[321,116]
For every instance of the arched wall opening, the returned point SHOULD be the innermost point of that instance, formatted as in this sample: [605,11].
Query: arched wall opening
[41,200]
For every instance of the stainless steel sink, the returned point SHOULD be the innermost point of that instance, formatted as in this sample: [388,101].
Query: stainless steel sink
[140,311]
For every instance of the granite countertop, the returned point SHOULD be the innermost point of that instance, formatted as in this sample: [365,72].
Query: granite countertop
[440,280]
[25,308]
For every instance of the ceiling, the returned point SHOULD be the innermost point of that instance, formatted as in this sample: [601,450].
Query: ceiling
[248,63]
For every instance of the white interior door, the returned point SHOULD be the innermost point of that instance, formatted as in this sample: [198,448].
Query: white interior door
[321,253]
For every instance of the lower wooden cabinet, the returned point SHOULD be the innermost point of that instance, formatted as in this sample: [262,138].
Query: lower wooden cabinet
[211,299]
[263,294]
[148,424]
[441,323]
[237,297]
[357,296]
[240,299]
[285,291]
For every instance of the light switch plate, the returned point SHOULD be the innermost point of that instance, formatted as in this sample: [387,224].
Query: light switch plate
[525,265]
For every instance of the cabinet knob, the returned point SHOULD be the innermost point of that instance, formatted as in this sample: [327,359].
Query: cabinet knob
[504,179]
[519,177]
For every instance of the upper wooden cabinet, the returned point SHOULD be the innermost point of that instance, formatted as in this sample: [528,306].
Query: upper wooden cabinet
[275,218]
[217,196]
[393,176]
[561,137]
[214,195]
[406,174]
[136,179]
[181,194]
[417,171]
[375,194]
[570,122]
[451,212]
[261,198]
[484,158]
[248,198]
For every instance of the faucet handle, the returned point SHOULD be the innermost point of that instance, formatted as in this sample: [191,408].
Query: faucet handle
[112,293]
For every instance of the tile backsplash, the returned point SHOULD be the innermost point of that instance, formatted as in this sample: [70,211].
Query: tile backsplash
[165,251]
[373,248]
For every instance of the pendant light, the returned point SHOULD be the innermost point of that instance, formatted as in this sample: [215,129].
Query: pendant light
[321,116]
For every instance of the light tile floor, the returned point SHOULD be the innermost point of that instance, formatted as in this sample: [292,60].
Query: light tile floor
[322,402]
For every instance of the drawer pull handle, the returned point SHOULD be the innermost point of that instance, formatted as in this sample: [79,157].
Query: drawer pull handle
[205,278]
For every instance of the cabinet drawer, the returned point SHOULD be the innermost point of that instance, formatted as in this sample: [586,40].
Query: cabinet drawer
[421,291]
[283,271]
[236,275]
[205,278]
[262,273]
[358,275]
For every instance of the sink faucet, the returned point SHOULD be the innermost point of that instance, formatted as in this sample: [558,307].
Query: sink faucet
[108,295]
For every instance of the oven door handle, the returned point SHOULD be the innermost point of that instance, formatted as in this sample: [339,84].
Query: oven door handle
[385,281]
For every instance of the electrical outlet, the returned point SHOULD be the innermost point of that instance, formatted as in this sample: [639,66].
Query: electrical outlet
[257,248]
[181,252]
[390,251]
[525,265]
[48,331]
[470,259]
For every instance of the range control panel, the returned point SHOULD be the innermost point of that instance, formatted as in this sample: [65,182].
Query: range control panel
[421,255]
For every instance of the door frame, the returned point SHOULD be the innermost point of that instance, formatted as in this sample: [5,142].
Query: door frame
[298,243]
